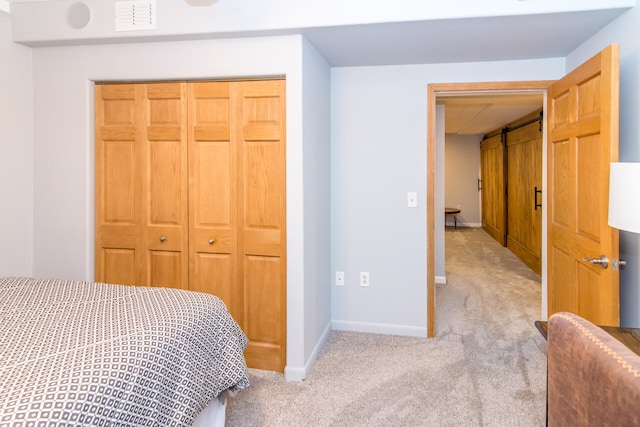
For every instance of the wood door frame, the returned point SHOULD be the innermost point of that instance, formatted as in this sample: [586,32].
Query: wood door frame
[433,90]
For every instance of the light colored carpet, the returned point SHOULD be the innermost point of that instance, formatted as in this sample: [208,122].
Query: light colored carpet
[486,366]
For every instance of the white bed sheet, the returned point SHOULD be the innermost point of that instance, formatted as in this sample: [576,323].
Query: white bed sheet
[214,415]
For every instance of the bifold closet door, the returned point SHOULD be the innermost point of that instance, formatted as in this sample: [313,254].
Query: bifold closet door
[260,124]
[213,194]
[190,193]
[141,184]
[237,207]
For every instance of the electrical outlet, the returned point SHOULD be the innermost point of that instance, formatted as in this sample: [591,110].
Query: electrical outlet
[364,279]
[458,207]
[339,278]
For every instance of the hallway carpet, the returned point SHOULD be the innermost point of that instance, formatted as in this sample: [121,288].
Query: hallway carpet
[486,366]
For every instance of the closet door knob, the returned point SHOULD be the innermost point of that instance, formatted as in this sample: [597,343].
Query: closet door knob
[162,238]
[211,241]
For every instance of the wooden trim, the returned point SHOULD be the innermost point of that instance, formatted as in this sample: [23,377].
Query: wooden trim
[433,90]
[191,80]
[431,260]
[453,88]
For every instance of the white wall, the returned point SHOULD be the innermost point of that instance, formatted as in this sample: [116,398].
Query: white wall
[16,156]
[462,168]
[625,30]
[316,193]
[64,162]
[378,154]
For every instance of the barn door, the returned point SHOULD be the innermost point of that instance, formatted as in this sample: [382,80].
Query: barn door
[492,152]
[524,198]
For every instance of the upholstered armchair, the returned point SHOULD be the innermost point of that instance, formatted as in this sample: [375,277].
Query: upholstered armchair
[593,379]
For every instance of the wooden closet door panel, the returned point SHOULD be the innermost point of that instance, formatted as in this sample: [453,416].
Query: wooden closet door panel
[213,193]
[524,152]
[263,202]
[262,243]
[212,274]
[118,266]
[264,298]
[118,221]
[262,167]
[214,183]
[493,191]
[165,268]
[164,184]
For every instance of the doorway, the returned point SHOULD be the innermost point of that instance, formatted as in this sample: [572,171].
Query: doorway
[435,133]
[501,137]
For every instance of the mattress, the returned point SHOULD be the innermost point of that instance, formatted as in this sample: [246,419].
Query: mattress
[85,353]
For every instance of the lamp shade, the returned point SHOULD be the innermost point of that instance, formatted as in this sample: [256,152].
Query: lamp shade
[624,196]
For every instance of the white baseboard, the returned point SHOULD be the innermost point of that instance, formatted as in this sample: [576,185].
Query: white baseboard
[466,224]
[441,280]
[379,328]
[300,374]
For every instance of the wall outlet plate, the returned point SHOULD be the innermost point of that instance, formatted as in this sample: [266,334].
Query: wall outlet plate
[364,279]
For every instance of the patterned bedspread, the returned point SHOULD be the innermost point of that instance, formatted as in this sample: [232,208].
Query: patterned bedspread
[84,353]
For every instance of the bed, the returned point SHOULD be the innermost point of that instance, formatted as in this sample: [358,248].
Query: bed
[87,353]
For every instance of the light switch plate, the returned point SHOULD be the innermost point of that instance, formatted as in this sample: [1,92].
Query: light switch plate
[412,200]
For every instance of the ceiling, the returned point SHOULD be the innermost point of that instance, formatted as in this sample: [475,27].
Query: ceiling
[465,40]
[468,40]
[426,41]
[481,114]
[553,35]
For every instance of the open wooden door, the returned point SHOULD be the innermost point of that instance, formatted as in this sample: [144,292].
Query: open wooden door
[582,120]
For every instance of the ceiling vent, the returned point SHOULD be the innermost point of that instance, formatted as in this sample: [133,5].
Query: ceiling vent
[135,15]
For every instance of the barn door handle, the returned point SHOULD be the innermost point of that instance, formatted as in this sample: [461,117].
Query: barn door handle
[479,184]
[535,198]
[603,261]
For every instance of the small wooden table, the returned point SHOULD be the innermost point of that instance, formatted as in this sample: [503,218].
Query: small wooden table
[454,212]
[630,337]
